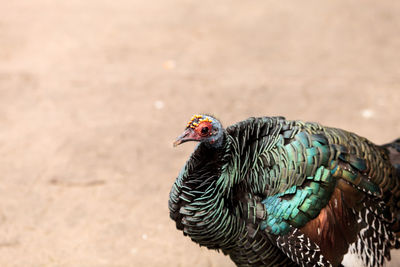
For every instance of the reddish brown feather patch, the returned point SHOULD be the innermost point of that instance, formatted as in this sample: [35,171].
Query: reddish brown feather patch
[334,228]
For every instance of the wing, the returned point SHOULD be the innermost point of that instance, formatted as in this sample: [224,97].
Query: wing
[330,185]
[333,186]
[312,167]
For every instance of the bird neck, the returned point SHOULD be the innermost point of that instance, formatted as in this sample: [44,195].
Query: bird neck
[196,201]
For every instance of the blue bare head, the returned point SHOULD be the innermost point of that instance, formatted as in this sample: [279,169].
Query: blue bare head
[203,128]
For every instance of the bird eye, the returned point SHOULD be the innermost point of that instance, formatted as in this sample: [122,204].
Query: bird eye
[204,130]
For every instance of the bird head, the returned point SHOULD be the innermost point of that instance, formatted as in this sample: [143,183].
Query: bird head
[202,128]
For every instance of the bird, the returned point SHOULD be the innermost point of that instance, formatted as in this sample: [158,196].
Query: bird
[274,192]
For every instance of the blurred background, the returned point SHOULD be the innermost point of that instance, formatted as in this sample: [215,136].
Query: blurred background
[93,93]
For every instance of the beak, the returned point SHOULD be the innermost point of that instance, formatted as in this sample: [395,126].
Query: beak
[188,135]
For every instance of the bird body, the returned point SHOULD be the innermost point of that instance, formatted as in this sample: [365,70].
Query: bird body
[273,192]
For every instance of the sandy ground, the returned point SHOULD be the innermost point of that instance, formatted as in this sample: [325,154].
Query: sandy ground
[92,94]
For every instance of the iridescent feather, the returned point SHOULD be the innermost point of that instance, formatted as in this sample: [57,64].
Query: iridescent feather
[272,192]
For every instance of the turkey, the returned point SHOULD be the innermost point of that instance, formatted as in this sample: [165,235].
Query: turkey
[272,192]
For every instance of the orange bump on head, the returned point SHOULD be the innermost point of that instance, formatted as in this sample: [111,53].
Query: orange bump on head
[198,122]
[193,122]
[206,120]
